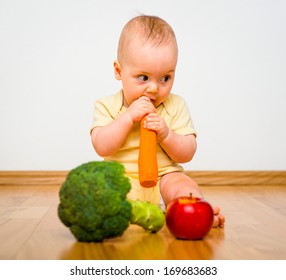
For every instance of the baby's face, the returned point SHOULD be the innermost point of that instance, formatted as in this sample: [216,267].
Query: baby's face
[147,70]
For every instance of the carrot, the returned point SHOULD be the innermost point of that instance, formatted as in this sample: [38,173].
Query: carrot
[147,161]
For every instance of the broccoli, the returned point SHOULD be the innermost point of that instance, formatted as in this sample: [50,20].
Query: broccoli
[94,206]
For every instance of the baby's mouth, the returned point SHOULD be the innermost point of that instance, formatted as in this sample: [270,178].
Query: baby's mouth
[154,101]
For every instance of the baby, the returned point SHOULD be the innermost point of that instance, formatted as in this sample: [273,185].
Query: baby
[146,64]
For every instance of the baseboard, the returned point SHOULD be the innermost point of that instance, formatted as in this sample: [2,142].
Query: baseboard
[32,178]
[239,178]
[203,178]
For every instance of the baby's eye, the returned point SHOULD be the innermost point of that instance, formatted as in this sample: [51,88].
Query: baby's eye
[143,78]
[165,78]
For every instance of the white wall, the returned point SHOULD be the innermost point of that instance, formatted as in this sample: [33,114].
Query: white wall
[56,59]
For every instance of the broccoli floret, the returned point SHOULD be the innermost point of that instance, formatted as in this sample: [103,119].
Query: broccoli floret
[93,203]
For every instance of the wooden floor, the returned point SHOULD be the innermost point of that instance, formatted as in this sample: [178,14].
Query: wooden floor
[255,228]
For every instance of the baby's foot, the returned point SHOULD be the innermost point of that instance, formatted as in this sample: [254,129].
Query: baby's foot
[219,218]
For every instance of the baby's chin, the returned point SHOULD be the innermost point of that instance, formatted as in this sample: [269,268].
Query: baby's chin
[157,103]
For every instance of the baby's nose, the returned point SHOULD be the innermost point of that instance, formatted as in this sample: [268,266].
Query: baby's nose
[152,88]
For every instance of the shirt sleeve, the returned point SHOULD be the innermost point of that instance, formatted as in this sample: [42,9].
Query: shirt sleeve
[181,122]
[106,110]
[101,115]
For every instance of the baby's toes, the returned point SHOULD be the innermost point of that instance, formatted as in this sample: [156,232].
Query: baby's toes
[219,219]
[216,210]
[216,221]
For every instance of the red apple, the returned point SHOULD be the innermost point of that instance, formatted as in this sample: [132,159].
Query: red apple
[189,217]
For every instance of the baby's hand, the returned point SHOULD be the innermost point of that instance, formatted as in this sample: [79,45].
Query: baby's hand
[156,123]
[139,108]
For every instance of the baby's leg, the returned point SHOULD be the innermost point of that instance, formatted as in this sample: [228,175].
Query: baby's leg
[177,184]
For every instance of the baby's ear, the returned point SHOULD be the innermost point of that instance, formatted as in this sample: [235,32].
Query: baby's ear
[117,70]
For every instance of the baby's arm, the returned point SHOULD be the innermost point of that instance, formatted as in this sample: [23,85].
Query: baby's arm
[107,139]
[180,148]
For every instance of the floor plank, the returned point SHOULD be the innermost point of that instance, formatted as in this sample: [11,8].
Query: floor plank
[255,228]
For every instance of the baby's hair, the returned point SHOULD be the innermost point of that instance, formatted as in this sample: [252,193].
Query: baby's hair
[151,29]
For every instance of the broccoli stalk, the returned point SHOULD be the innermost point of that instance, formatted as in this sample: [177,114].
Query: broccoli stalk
[94,206]
[147,215]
